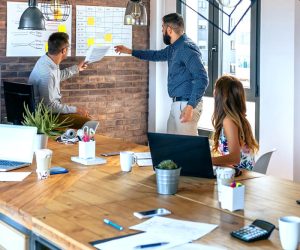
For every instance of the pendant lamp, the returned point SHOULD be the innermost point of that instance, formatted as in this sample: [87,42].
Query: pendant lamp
[56,10]
[32,18]
[135,13]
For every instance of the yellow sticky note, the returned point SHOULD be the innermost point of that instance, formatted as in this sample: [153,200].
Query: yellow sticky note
[108,37]
[91,21]
[62,28]
[90,41]
[46,47]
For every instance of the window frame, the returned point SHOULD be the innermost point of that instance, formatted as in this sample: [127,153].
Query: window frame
[215,58]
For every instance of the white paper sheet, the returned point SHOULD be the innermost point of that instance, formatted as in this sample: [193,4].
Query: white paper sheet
[96,53]
[195,246]
[13,176]
[186,229]
[130,242]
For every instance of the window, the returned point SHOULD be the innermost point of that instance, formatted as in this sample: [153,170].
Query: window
[223,54]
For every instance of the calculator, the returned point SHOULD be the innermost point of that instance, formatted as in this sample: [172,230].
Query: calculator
[258,230]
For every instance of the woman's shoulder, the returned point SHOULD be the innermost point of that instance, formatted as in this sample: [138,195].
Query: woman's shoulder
[227,121]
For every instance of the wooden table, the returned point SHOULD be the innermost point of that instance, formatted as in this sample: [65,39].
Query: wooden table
[68,209]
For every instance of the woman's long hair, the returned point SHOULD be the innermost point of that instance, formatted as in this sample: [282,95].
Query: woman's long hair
[230,102]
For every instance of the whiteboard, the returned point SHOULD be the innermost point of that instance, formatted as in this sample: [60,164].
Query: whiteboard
[97,25]
[30,42]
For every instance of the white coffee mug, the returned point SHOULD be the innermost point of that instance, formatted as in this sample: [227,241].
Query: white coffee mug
[43,163]
[225,176]
[289,232]
[127,160]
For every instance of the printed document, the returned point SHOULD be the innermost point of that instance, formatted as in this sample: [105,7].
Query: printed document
[96,53]
[13,176]
[186,229]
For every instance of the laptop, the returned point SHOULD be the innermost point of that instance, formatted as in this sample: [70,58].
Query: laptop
[191,153]
[16,146]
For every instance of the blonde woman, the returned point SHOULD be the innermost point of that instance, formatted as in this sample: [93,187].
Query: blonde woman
[233,137]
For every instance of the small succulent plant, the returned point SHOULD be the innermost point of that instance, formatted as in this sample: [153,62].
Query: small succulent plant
[167,164]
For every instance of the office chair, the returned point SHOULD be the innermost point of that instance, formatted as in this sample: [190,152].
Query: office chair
[262,163]
[91,124]
[15,95]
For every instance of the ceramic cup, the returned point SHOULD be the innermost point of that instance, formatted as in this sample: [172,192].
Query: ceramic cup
[43,163]
[289,232]
[127,160]
[224,177]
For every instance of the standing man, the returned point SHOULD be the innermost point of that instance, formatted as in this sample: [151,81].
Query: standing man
[187,77]
[46,77]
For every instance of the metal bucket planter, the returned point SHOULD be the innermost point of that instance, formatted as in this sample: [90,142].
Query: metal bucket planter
[167,180]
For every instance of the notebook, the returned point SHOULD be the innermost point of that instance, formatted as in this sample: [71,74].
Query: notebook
[191,153]
[16,146]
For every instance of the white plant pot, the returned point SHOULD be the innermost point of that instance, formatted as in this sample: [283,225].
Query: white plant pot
[41,141]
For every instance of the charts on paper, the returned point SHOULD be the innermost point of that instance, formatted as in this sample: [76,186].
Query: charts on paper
[30,42]
[101,26]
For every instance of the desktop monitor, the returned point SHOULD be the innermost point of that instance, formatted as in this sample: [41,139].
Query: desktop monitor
[15,95]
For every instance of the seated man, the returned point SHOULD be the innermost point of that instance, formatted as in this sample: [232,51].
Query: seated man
[46,77]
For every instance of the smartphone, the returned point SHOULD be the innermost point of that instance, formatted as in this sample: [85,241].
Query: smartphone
[110,154]
[151,213]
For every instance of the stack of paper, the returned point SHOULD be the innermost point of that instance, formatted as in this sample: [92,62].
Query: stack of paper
[160,229]
[144,159]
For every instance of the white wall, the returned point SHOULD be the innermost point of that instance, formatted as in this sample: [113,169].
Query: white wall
[297,93]
[159,101]
[277,84]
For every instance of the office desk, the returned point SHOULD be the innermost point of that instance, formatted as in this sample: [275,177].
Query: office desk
[68,209]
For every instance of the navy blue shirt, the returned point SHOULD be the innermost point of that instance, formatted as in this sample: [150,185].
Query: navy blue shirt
[187,77]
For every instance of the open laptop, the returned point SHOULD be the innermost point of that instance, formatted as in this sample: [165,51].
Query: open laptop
[16,146]
[191,153]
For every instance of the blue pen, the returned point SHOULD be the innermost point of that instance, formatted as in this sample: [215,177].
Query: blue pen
[115,225]
[152,245]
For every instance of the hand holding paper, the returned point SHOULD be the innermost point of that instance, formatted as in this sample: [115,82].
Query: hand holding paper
[95,53]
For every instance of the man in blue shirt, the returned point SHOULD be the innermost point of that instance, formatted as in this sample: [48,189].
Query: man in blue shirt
[187,77]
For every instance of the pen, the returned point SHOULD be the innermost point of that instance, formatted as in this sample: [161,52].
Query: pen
[152,245]
[115,225]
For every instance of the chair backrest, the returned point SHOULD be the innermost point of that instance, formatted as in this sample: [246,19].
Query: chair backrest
[15,95]
[262,163]
[91,124]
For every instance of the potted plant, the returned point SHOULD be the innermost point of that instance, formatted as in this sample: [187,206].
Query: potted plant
[167,177]
[46,122]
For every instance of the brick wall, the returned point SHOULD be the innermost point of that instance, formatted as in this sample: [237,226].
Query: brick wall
[114,90]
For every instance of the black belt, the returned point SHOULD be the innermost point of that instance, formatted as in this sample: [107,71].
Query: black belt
[180,99]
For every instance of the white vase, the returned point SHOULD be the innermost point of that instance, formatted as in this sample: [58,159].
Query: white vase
[41,141]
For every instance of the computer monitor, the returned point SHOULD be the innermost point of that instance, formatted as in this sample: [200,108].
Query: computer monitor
[15,95]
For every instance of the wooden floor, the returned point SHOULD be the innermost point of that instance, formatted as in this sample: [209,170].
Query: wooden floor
[68,209]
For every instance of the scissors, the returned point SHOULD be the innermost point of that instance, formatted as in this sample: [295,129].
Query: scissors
[88,134]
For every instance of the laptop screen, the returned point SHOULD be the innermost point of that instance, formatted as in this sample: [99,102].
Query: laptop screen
[17,142]
[191,153]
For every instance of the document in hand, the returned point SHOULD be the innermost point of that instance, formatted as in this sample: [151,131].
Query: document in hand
[96,53]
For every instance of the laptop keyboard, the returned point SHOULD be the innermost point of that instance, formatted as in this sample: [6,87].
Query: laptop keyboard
[5,163]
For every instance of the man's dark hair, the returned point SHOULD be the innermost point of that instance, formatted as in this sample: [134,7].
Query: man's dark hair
[56,42]
[175,21]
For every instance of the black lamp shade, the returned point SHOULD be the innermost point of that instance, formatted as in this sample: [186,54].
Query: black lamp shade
[32,19]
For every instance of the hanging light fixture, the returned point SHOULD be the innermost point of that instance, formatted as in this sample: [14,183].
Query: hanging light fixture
[231,13]
[32,18]
[135,13]
[56,10]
